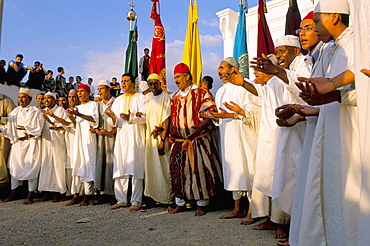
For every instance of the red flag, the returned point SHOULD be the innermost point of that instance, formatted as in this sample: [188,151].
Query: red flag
[293,18]
[158,54]
[265,44]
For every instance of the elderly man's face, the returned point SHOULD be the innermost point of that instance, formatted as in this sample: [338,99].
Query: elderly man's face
[307,36]
[285,55]
[155,86]
[49,101]
[224,70]
[24,100]
[182,81]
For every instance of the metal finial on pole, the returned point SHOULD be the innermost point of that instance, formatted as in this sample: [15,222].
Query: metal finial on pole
[131,15]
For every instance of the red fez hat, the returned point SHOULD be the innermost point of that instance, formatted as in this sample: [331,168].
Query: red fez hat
[309,16]
[84,87]
[181,68]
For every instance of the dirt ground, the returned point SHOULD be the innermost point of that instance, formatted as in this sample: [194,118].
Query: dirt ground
[48,223]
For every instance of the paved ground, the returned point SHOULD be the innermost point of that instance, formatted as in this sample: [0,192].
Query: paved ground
[49,223]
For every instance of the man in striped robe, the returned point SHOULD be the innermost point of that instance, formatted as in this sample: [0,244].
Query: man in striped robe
[194,165]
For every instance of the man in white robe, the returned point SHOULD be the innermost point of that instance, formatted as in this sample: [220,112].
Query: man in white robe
[157,164]
[237,153]
[69,137]
[290,139]
[128,115]
[333,177]
[23,129]
[361,22]
[82,117]
[54,152]
[106,139]
[273,93]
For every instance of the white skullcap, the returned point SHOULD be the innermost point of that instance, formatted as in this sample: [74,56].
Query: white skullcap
[104,82]
[26,91]
[288,40]
[154,76]
[330,6]
[232,61]
[52,94]
[143,86]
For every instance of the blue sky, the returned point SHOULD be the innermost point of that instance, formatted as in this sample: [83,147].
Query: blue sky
[89,37]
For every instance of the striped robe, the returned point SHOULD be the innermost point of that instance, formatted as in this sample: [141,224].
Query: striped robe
[199,182]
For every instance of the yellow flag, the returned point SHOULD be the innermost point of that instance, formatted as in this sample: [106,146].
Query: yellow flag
[192,55]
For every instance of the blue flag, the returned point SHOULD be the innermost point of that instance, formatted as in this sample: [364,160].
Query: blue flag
[240,45]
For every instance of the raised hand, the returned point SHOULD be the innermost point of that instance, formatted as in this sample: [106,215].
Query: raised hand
[124,116]
[317,86]
[92,129]
[263,64]
[365,71]
[102,132]
[284,111]
[19,127]
[73,111]
[206,115]
[110,113]
[233,107]
[47,111]
[221,114]
[290,122]
[305,110]
[156,132]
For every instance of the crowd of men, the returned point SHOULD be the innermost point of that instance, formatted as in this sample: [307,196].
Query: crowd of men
[288,141]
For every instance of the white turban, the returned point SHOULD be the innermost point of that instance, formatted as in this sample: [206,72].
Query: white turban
[143,86]
[330,6]
[288,40]
[26,91]
[104,82]
[52,94]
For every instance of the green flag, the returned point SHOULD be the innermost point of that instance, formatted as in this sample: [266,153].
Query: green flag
[131,54]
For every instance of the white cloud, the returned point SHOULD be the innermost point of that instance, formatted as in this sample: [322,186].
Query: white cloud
[212,40]
[104,65]
[209,22]
[176,43]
